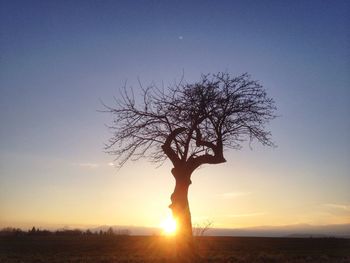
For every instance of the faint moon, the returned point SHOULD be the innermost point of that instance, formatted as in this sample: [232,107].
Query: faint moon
[181,37]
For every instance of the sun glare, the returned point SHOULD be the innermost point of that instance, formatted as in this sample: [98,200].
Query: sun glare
[169,226]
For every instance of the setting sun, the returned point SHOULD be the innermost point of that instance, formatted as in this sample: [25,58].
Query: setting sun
[169,226]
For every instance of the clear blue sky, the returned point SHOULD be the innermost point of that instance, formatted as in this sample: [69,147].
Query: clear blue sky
[59,58]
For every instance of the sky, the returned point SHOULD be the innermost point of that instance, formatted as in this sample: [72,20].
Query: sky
[60,59]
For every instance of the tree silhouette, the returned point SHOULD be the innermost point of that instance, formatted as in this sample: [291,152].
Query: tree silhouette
[191,125]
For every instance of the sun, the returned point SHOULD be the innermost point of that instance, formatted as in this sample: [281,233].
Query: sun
[169,226]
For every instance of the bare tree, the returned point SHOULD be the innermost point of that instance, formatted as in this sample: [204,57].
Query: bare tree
[200,229]
[191,125]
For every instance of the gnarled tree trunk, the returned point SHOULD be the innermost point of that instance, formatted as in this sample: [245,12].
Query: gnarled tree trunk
[181,213]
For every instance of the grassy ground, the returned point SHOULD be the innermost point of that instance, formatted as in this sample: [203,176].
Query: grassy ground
[134,249]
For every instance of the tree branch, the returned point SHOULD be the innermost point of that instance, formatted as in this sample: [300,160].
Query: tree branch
[167,146]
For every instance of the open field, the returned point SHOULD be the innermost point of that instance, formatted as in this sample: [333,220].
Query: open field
[160,249]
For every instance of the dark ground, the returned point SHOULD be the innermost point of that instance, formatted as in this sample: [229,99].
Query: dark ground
[132,249]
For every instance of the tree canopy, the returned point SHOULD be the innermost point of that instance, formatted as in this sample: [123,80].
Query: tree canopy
[190,123]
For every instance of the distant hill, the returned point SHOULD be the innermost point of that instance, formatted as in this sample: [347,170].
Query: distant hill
[134,230]
[298,230]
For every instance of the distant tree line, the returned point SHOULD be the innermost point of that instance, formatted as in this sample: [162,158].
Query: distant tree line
[10,231]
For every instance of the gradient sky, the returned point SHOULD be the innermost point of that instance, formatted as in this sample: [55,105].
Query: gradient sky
[58,59]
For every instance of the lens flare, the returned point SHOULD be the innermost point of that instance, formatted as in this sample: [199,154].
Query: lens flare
[169,226]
